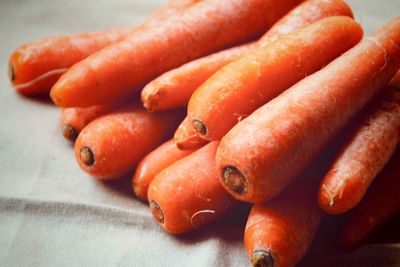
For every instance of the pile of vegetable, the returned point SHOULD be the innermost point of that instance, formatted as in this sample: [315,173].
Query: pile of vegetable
[278,103]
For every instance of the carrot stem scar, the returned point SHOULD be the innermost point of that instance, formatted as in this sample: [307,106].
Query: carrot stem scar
[235,180]
[69,132]
[11,73]
[87,156]
[262,258]
[157,211]
[200,127]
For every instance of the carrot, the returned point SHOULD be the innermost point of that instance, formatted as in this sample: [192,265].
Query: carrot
[152,164]
[122,68]
[279,232]
[73,120]
[186,137]
[187,195]
[365,153]
[110,146]
[381,202]
[262,154]
[246,84]
[36,66]
[174,88]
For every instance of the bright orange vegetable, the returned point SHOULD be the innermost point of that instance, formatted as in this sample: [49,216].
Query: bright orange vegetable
[174,88]
[122,68]
[157,160]
[36,66]
[365,153]
[111,146]
[262,154]
[239,88]
[186,137]
[187,195]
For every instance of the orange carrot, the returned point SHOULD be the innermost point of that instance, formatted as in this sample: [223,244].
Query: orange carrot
[36,66]
[174,88]
[110,146]
[262,154]
[153,163]
[381,202]
[186,137]
[279,232]
[73,120]
[122,68]
[187,194]
[365,153]
[244,85]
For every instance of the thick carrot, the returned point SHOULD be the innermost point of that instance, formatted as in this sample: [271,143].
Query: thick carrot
[262,154]
[122,68]
[73,120]
[36,66]
[174,88]
[187,195]
[110,146]
[186,137]
[246,84]
[381,202]
[279,232]
[157,160]
[367,150]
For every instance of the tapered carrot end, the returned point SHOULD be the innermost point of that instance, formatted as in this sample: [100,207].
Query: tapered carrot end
[87,156]
[11,72]
[69,132]
[235,180]
[157,211]
[262,258]
[199,127]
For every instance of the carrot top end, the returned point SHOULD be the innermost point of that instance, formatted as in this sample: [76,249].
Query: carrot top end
[262,258]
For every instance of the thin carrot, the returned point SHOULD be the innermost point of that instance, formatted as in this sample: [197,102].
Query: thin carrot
[110,146]
[187,195]
[73,120]
[36,66]
[279,232]
[246,84]
[174,88]
[262,154]
[157,160]
[122,68]
[381,202]
[365,153]
[186,137]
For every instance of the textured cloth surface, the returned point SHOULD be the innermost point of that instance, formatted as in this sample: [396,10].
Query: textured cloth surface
[53,214]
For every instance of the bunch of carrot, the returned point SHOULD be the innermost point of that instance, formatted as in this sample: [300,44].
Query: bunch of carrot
[262,113]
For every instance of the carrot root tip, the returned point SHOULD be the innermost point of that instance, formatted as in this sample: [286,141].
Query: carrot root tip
[69,132]
[87,156]
[157,211]
[199,127]
[235,180]
[11,72]
[262,258]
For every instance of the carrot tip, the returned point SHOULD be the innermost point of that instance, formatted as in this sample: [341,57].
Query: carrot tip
[69,132]
[87,156]
[157,211]
[199,127]
[11,72]
[235,180]
[262,258]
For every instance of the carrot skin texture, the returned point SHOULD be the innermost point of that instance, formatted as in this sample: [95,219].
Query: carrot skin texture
[174,88]
[186,138]
[188,194]
[36,66]
[239,88]
[154,163]
[110,146]
[122,68]
[381,202]
[284,228]
[364,155]
[278,140]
